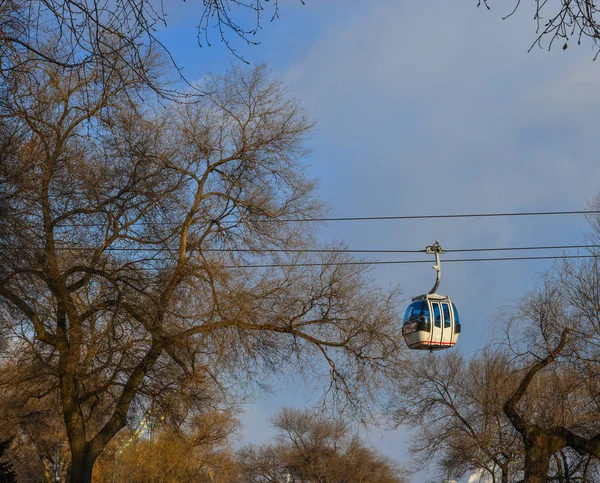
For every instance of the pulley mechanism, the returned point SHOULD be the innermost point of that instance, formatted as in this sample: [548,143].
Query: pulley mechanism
[436,249]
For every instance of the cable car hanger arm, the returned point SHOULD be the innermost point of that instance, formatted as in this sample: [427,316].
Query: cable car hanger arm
[436,249]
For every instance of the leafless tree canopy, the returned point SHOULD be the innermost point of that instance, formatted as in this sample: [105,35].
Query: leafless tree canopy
[311,448]
[455,405]
[561,21]
[553,405]
[30,413]
[127,233]
[94,34]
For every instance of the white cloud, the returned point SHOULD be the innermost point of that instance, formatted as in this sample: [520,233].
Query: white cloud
[432,107]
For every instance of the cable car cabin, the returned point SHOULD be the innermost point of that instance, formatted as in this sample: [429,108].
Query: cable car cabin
[431,323]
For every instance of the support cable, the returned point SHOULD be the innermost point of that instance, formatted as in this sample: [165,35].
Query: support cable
[358,218]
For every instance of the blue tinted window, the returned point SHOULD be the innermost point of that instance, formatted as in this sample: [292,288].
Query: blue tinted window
[417,309]
[426,311]
[447,320]
[436,314]
[421,308]
[456,319]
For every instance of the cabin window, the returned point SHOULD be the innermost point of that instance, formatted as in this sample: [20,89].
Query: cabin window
[456,319]
[436,314]
[447,320]
[416,310]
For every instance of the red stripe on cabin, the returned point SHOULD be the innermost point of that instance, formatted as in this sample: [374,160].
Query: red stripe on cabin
[426,342]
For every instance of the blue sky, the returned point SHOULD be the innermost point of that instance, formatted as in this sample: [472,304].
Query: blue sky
[423,108]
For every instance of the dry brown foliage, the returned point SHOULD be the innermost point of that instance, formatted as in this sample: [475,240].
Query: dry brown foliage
[128,232]
[311,448]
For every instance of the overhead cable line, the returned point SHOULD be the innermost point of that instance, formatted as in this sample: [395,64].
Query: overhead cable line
[556,247]
[316,250]
[456,215]
[361,262]
[356,218]
[402,262]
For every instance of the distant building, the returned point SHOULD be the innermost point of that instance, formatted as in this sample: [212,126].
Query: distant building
[480,477]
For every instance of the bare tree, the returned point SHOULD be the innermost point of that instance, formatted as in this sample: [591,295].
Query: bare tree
[198,451]
[455,406]
[315,448]
[89,35]
[262,464]
[138,246]
[562,21]
[30,411]
[562,411]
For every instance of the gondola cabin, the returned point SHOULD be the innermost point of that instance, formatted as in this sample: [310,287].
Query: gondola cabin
[431,323]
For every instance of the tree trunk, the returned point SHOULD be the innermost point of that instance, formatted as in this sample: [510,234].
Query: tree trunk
[537,463]
[81,467]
